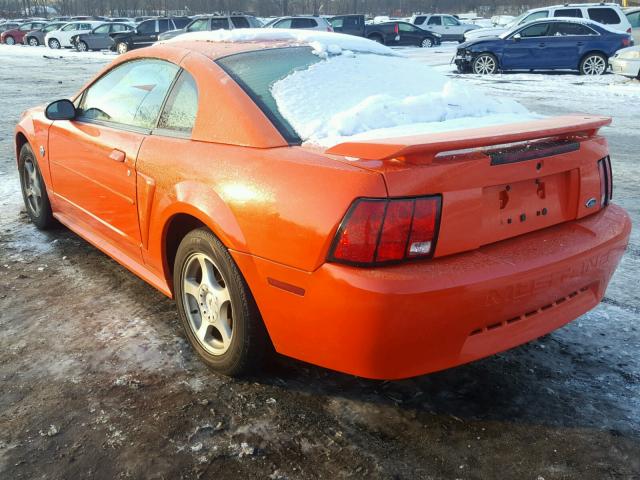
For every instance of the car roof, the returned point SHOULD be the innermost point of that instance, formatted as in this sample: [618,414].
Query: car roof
[575,5]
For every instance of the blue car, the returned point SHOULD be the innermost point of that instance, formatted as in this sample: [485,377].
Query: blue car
[550,44]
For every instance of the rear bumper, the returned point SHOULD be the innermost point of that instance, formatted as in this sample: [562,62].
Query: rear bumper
[412,319]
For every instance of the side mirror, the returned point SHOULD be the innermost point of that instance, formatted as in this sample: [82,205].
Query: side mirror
[517,37]
[61,110]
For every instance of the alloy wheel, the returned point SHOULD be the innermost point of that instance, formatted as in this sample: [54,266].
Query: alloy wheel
[82,46]
[207,303]
[484,65]
[9,41]
[427,43]
[122,48]
[55,44]
[34,42]
[32,186]
[594,65]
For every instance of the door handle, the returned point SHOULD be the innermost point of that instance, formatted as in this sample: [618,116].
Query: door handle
[117,155]
[580,44]
[542,44]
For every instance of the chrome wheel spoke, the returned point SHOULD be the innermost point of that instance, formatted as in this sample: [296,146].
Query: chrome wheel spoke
[191,287]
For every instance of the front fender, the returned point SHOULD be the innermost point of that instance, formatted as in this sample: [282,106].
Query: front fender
[34,126]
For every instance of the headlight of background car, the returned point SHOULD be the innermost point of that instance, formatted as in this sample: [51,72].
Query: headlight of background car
[630,55]
[437,35]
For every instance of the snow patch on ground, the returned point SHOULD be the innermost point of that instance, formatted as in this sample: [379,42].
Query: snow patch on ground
[315,38]
[377,95]
[46,52]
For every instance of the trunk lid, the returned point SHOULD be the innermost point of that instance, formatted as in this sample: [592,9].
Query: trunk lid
[496,182]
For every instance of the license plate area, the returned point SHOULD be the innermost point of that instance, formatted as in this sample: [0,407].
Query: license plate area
[521,207]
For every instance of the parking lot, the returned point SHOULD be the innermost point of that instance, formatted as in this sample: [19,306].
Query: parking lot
[98,380]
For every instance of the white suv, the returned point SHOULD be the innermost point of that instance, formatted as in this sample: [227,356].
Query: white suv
[62,38]
[308,23]
[609,14]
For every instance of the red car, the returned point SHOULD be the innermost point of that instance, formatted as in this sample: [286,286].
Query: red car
[16,35]
[386,257]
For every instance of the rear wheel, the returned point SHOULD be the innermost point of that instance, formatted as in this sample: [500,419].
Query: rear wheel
[426,43]
[376,38]
[9,40]
[54,43]
[82,46]
[33,41]
[217,310]
[122,47]
[34,191]
[593,64]
[485,64]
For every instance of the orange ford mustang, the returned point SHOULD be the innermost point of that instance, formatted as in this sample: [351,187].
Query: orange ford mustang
[384,258]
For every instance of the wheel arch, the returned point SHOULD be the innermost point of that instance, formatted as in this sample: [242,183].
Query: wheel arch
[20,141]
[591,52]
[493,54]
[373,35]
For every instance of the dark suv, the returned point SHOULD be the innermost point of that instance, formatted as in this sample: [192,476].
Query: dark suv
[146,33]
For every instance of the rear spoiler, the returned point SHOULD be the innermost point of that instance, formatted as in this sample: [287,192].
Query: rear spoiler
[429,145]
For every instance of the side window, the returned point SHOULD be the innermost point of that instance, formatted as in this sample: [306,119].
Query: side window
[419,20]
[606,16]
[182,105]
[163,25]
[634,19]
[352,22]
[534,16]
[561,29]
[450,21]
[568,12]
[337,22]
[405,27]
[148,27]
[85,26]
[120,28]
[105,29]
[435,20]
[219,23]
[130,94]
[538,30]
[180,22]
[240,22]
[198,25]
[283,24]
[69,27]
[25,28]
[303,23]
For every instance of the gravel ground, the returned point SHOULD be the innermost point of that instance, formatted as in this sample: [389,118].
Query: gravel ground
[99,382]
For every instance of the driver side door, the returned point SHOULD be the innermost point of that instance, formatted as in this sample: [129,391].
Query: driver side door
[92,158]
[528,50]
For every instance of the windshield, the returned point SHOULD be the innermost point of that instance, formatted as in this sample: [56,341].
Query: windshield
[322,97]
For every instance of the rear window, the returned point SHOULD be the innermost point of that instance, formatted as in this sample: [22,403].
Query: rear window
[257,71]
[181,22]
[219,23]
[606,16]
[303,23]
[571,29]
[568,12]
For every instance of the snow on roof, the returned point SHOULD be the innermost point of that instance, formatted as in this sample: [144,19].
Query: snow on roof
[320,41]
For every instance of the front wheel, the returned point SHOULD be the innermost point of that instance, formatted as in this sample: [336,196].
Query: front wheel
[216,308]
[10,40]
[485,64]
[82,46]
[34,190]
[426,43]
[593,64]
[33,41]
[54,43]
[122,47]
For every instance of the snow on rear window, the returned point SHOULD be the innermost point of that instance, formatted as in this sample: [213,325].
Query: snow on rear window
[354,95]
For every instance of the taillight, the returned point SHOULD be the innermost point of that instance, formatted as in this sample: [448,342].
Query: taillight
[377,231]
[396,29]
[626,42]
[629,30]
[606,181]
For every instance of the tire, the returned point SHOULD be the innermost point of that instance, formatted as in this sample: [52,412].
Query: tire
[219,315]
[33,42]
[9,40]
[34,190]
[426,43]
[54,44]
[593,64]
[122,47]
[82,46]
[485,64]
[377,39]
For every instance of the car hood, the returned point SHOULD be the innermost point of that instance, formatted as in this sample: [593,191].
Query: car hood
[486,32]
[479,41]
